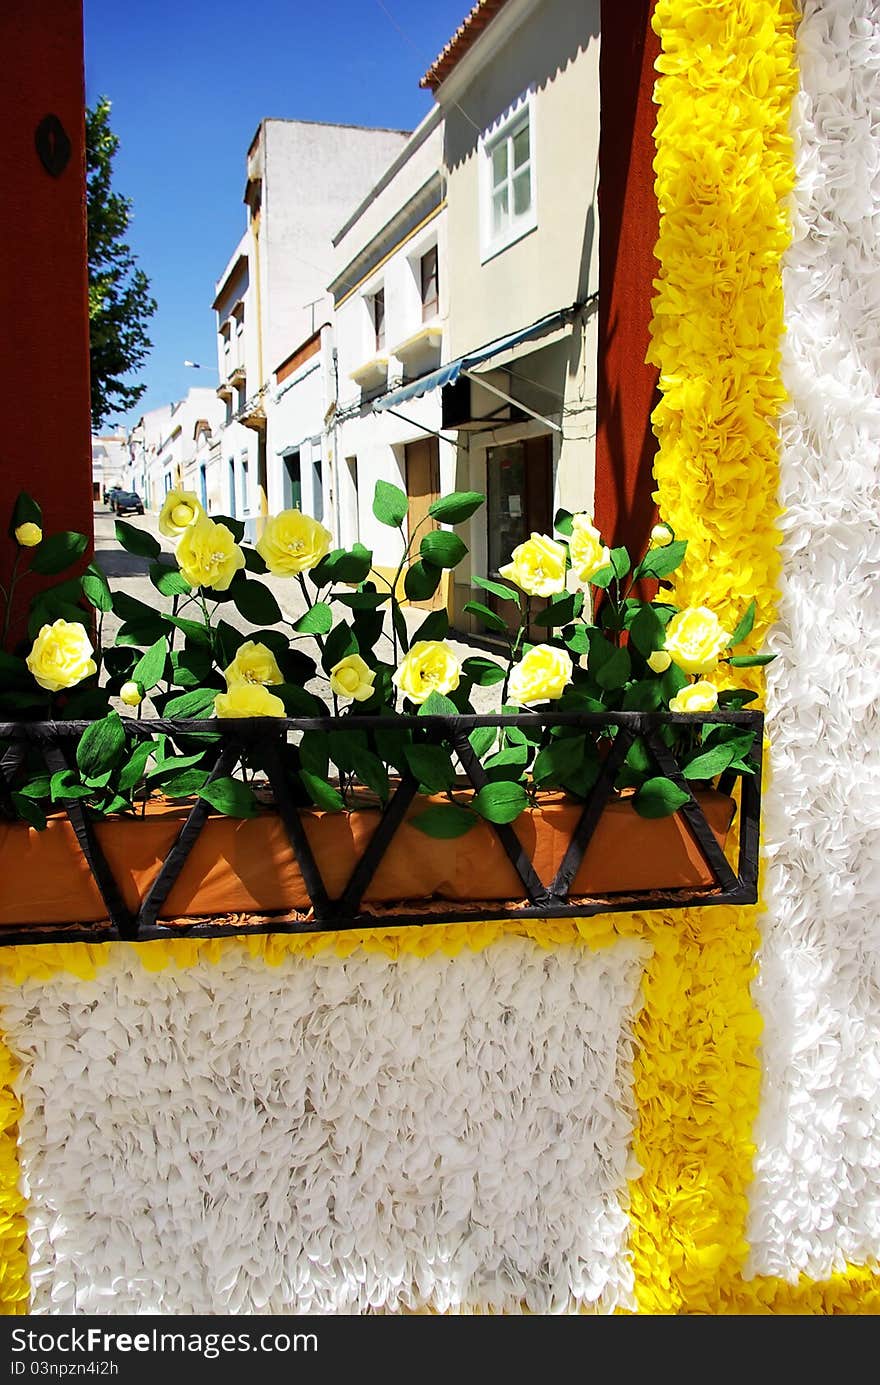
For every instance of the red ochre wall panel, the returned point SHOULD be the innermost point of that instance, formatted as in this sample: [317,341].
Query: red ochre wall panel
[628,226]
[44,353]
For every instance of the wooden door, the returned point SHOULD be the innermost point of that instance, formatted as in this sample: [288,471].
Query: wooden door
[519,502]
[422,489]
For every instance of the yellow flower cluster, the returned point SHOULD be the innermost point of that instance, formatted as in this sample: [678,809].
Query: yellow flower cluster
[247,694]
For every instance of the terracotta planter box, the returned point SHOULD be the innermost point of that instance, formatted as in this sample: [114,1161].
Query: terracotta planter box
[247,866]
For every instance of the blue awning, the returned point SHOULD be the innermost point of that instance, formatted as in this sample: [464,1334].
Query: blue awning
[449,373]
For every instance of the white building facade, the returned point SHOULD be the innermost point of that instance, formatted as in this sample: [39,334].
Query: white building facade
[303,178]
[390,291]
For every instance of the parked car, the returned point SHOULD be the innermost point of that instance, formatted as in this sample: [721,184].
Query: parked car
[126,503]
[109,493]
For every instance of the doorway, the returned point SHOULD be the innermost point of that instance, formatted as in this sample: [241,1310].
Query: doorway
[519,502]
[422,461]
[292,481]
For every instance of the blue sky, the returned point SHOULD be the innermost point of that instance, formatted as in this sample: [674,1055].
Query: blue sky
[190,81]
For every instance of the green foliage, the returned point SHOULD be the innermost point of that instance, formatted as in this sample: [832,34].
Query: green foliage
[318,620]
[390,504]
[120,304]
[501,802]
[421,581]
[255,602]
[457,507]
[444,821]
[442,548]
[137,541]
[57,552]
[658,798]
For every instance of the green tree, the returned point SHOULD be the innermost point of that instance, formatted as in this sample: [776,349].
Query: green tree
[120,304]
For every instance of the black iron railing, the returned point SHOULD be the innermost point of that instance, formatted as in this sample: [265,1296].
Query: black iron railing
[263,740]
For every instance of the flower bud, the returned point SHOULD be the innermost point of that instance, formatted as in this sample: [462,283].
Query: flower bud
[130,693]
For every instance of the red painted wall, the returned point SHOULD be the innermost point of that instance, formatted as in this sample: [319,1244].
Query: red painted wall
[628,225]
[44,346]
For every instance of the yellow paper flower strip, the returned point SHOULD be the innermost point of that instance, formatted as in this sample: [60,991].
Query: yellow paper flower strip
[724,169]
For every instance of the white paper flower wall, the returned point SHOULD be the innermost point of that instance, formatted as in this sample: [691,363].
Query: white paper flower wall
[328,1135]
[815,1202]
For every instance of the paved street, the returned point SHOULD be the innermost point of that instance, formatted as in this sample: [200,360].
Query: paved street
[130,574]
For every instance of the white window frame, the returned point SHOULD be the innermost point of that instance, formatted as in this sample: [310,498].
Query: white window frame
[503,129]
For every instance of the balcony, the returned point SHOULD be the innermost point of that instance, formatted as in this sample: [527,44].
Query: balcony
[371,374]
[421,351]
[252,413]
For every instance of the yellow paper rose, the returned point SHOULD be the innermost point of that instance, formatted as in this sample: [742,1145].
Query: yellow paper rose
[696,697]
[208,555]
[659,661]
[293,542]
[661,536]
[542,676]
[253,663]
[430,666]
[179,510]
[29,535]
[131,694]
[695,639]
[352,677]
[586,549]
[248,700]
[537,566]
[61,656]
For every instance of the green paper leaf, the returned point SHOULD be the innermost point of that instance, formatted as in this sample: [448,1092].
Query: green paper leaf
[255,602]
[340,643]
[183,782]
[96,589]
[318,620]
[442,548]
[58,552]
[169,580]
[26,808]
[132,771]
[603,577]
[321,792]
[502,590]
[151,666]
[390,505]
[435,626]
[484,672]
[745,626]
[230,796]
[647,631]
[198,703]
[343,565]
[443,821]
[659,797]
[645,696]
[137,541]
[561,611]
[750,660]
[659,562]
[457,507]
[64,785]
[489,618]
[100,746]
[501,802]
[253,562]
[421,581]
[432,766]
[563,523]
[26,511]
[370,771]
[482,739]
[436,705]
[620,562]
[735,698]
[314,753]
[298,702]
[193,630]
